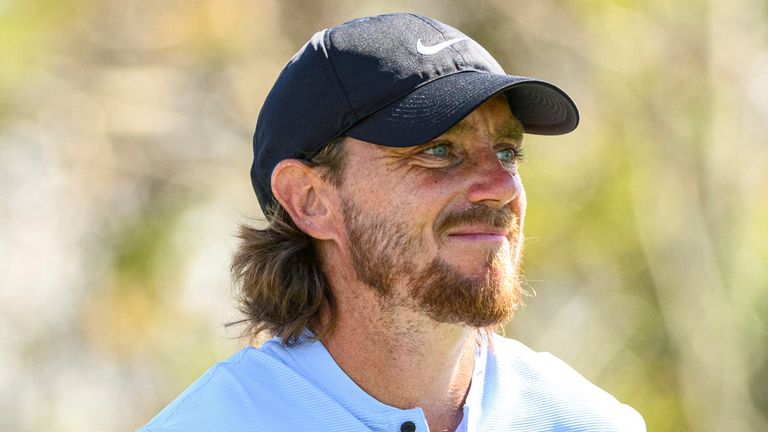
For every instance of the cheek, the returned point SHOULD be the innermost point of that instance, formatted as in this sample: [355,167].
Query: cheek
[415,208]
[520,202]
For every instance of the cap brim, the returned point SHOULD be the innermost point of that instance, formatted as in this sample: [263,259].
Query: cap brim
[433,108]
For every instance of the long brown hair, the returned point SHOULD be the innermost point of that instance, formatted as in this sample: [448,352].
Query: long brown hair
[280,286]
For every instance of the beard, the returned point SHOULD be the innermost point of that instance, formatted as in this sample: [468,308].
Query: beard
[385,257]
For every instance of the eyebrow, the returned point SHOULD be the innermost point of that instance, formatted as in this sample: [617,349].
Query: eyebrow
[510,129]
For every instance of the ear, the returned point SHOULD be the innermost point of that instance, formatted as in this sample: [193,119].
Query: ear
[304,195]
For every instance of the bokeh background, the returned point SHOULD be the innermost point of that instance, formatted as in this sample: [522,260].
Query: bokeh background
[125,132]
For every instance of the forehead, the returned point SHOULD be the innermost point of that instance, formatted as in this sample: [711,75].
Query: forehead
[493,117]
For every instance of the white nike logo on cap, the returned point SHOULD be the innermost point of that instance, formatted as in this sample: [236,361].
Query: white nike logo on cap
[434,49]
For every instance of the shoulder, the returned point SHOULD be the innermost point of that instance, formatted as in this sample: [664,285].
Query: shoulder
[255,389]
[217,390]
[532,365]
[551,393]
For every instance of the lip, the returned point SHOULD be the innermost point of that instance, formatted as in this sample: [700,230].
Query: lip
[496,238]
[479,234]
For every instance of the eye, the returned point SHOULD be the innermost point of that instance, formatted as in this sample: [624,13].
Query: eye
[510,155]
[439,150]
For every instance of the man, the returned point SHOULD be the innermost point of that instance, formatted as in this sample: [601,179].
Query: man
[385,160]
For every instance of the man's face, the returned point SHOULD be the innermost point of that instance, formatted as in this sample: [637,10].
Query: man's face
[438,227]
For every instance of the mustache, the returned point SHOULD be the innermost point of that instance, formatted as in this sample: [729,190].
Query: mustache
[478,214]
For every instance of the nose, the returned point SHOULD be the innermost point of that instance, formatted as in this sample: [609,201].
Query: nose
[494,184]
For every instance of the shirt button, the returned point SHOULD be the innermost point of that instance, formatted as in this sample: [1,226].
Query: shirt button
[408,427]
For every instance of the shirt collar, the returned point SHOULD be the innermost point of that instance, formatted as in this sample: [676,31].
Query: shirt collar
[316,364]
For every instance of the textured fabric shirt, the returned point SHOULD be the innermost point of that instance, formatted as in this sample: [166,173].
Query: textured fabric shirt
[301,388]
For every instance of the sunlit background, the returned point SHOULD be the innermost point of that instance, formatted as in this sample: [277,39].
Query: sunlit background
[125,132]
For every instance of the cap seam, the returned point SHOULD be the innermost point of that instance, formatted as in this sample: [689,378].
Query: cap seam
[411,90]
[327,43]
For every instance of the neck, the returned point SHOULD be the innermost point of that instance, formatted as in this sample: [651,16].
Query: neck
[383,346]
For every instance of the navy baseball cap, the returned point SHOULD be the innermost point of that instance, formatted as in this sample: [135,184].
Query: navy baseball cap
[396,80]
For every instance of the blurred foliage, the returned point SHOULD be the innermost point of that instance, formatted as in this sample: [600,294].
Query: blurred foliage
[124,151]
[23,25]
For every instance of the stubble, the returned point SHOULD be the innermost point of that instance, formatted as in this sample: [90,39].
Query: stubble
[385,256]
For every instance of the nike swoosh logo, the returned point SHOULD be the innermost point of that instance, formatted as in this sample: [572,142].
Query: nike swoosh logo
[434,49]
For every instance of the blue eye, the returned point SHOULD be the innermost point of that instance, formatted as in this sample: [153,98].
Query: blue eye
[439,150]
[509,155]
[506,155]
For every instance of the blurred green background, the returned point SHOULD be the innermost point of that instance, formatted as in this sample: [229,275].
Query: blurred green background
[125,133]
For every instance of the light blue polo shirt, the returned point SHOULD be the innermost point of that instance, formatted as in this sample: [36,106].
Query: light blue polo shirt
[301,388]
